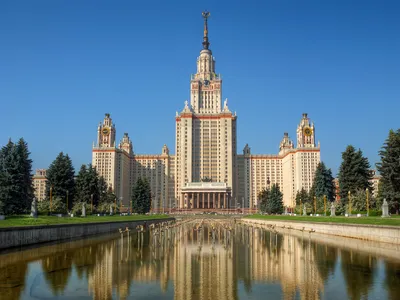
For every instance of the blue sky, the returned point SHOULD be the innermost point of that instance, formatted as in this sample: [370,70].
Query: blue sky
[63,64]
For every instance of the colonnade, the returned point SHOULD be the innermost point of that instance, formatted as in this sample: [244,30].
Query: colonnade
[205,200]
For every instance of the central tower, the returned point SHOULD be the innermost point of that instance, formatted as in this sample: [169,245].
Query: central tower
[205,90]
[205,133]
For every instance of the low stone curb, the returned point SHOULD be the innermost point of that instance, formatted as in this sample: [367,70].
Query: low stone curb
[11,237]
[377,233]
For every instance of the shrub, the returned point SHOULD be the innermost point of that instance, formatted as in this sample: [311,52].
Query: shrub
[104,208]
[57,206]
[77,208]
[375,213]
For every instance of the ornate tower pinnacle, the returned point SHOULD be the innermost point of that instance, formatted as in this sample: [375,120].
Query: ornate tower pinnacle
[205,15]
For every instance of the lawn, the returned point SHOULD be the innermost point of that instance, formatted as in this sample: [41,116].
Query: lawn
[12,221]
[392,221]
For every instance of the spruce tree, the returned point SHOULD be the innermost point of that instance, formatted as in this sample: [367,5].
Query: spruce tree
[323,183]
[87,186]
[389,168]
[25,184]
[263,200]
[103,190]
[141,196]
[16,190]
[60,177]
[276,199]
[93,183]
[354,173]
[8,171]
[82,193]
[303,196]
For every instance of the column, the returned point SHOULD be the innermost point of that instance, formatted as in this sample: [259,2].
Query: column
[213,204]
[208,200]
[224,200]
[219,200]
[198,200]
[202,198]
[185,200]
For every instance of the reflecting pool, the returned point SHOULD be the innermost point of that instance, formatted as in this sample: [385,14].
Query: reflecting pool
[203,259]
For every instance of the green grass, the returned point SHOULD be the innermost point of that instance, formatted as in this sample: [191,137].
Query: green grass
[392,221]
[12,221]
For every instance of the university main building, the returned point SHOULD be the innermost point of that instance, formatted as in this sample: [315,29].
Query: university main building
[206,172]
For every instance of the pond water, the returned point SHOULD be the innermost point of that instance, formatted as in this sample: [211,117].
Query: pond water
[203,259]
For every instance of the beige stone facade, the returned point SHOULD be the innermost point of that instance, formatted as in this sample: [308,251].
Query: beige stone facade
[39,183]
[206,151]
[292,168]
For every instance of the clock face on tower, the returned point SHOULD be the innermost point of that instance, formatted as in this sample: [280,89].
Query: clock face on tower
[307,131]
[106,131]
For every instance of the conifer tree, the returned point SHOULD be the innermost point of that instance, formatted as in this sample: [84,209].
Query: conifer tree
[264,203]
[60,177]
[93,182]
[25,184]
[89,186]
[303,196]
[8,171]
[354,173]
[389,168]
[103,190]
[16,190]
[141,196]
[323,183]
[276,199]
[82,193]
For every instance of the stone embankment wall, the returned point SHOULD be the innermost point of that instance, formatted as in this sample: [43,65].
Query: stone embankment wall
[28,235]
[377,233]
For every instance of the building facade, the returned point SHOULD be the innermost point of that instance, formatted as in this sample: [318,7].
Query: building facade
[39,183]
[206,172]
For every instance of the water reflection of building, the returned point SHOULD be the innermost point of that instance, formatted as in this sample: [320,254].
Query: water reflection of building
[186,262]
[100,278]
[203,269]
[280,258]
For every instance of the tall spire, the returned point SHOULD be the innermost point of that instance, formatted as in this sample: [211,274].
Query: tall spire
[205,15]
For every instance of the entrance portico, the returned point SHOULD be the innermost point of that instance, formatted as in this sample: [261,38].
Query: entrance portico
[205,195]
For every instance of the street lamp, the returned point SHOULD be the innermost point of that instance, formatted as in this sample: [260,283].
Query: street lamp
[315,205]
[91,196]
[67,200]
[51,195]
[349,197]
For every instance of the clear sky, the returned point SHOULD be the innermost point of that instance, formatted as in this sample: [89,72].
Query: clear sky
[63,64]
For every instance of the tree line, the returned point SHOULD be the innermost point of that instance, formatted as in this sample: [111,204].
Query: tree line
[355,180]
[65,192]
[89,189]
